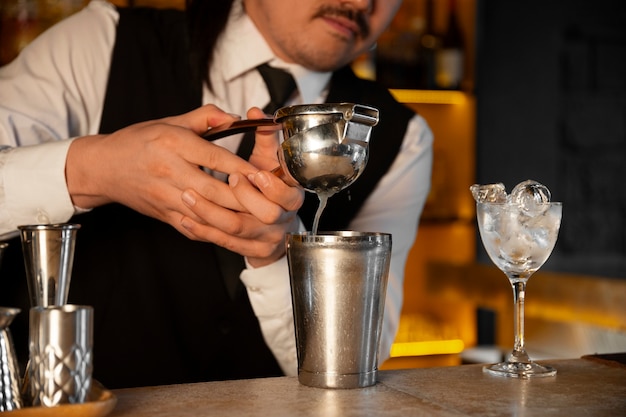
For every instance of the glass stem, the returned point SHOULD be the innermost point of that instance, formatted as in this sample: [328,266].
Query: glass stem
[519,352]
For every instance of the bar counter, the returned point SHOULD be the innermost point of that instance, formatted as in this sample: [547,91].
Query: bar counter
[589,386]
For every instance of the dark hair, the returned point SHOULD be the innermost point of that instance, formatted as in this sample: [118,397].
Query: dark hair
[206,20]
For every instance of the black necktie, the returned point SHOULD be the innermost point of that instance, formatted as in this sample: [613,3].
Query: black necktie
[281,86]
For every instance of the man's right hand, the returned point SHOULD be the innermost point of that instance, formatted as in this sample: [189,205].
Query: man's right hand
[147,166]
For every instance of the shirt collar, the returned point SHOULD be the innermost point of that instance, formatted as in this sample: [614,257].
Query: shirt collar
[242,48]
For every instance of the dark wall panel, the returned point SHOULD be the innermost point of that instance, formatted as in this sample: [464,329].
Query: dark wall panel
[551,106]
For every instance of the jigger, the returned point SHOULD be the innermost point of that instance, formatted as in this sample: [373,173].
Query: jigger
[48,257]
[325,146]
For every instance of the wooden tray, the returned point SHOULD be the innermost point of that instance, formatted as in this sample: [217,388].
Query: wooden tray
[101,403]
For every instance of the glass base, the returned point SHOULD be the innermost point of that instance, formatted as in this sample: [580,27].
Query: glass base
[519,370]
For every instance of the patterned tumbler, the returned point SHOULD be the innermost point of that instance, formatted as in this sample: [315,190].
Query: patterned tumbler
[61,346]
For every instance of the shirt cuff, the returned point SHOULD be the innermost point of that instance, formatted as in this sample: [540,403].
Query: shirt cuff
[35,190]
[268,288]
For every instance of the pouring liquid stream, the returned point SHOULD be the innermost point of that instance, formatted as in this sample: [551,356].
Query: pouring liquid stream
[325,186]
[323,200]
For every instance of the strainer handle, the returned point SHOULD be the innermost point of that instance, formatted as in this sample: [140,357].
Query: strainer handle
[239,126]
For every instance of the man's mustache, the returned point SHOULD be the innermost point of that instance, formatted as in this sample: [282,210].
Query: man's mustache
[356,16]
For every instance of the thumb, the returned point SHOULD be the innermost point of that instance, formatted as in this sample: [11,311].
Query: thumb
[266,143]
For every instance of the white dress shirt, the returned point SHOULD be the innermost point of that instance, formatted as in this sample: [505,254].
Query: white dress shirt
[54,91]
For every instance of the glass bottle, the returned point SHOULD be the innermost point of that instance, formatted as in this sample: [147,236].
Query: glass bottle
[429,44]
[450,56]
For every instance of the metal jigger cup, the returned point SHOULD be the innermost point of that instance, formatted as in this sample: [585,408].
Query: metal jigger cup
[48,257]
[338,286]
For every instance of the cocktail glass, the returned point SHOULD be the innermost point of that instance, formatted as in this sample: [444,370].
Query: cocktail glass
[519,240]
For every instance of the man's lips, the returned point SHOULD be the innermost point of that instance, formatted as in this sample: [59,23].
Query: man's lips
[350,22]
[344,25]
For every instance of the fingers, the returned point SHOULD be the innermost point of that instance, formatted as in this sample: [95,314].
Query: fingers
[239,232]
[175,158]
[272,203]
[217,192]
[200,119]
[211,213]
[255,202]
[212,156]
[209,155]
[265,246]
[266,144]
[255,113]
[259,232]
[154,168]
[273,188]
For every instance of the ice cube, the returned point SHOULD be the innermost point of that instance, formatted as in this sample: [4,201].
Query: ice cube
[531,196]
[489,193]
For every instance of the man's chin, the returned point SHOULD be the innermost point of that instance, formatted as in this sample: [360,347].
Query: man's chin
[325,63]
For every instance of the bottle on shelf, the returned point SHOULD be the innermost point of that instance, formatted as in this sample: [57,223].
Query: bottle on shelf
[19,25]
[429,44]
[397,55]
[449,60]
[21,21]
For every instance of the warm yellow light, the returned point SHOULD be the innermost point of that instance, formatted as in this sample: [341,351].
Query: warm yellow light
[569,314]
[431,347]
[429,96]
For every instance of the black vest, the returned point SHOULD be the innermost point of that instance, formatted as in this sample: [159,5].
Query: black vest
[164,312]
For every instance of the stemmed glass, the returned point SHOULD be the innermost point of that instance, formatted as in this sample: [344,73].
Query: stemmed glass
[519,239]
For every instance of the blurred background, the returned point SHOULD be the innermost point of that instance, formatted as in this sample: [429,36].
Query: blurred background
[513,90]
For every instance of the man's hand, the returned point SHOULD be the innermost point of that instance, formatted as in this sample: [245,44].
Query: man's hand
[147,166]
[269,207]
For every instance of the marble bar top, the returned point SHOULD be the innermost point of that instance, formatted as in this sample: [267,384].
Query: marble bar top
[590,386]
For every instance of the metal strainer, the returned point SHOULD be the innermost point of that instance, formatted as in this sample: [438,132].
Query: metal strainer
[325,146]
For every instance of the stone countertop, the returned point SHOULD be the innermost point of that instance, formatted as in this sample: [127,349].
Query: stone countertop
[590,386]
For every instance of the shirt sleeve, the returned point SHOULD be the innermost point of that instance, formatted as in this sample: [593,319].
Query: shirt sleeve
[51,92]
[269,292]
[394,207]
[34,189]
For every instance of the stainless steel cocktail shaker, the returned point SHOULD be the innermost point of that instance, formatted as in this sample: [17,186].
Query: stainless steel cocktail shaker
[338,285]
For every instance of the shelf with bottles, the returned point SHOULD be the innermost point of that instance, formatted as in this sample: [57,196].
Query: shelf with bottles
[428,46]
[21,21]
